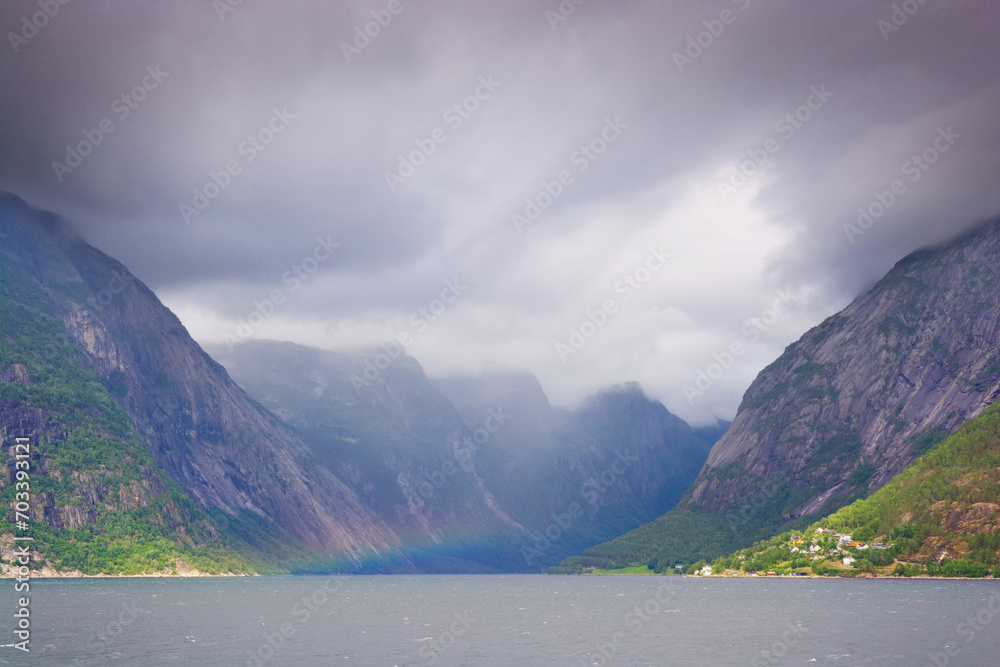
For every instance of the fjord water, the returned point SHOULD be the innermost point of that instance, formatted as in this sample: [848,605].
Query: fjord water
[507,620]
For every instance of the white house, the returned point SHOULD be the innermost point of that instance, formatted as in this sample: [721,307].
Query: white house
[848,560]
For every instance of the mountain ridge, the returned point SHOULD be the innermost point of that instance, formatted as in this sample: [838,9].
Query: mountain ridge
[312,472]
[846,407]
[199,426]
[939,516]
[886,315]
[503,458]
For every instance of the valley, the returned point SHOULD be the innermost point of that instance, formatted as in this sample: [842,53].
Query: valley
[156,456]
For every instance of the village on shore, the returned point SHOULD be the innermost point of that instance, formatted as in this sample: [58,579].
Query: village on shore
[817,553]
[838,553]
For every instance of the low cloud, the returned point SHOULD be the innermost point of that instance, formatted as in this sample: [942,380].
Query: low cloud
[204,136]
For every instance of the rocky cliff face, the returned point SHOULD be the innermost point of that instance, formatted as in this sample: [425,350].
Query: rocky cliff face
[222,449]
[667,450]
[394,439]
[476,458]
[352,459]
[623,450]
[857,398]
[621,458]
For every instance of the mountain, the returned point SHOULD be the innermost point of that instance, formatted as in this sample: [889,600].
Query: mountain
[126,411]
[621,456]
[944,510]
[395,440]
[148,456]
[846,407]
[940,516]
[475,473]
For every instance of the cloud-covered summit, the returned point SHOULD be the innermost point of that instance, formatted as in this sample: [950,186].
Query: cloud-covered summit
[347,160]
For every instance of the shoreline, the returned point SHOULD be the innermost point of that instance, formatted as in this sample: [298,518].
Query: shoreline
[202,575]
[50,573]
[778,576]
[867,576]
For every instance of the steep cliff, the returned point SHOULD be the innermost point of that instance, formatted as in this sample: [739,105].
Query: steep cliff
[475,471]
[200,428]
[857,398]
[940,516]
[622,457]
[944,510]
[395,440]
[846,407]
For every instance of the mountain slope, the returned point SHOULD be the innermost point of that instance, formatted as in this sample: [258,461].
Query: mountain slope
[941,515]
[943,508]
[397,442]
[621,457]
[847,406]
[487,477]
[919,354]
[203,431]
[94,498]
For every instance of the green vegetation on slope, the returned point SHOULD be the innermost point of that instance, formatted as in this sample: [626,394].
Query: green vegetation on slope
[940,516]
[675,537]
[684,537]
[929,330]
[99,504]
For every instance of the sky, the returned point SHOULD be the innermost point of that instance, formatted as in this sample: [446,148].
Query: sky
[592,192]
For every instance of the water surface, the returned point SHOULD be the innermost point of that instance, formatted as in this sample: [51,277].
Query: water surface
[506,620]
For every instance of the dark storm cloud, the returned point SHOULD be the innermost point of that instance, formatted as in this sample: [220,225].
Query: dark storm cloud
[291,120]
